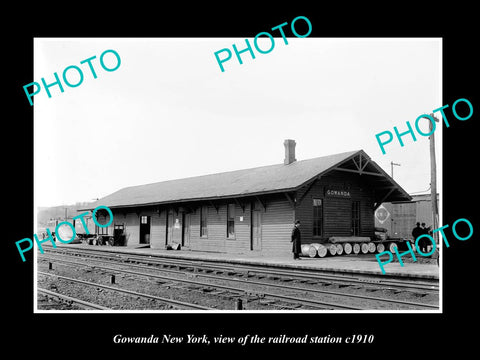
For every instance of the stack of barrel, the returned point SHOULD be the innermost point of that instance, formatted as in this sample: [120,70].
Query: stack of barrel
[339,246]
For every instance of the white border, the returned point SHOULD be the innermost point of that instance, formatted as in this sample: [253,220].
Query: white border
[439,159]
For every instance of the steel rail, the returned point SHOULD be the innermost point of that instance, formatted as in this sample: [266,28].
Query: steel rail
[247,282]
[75,300]
[301,273]
[402,284]
[129,292]
[297,300]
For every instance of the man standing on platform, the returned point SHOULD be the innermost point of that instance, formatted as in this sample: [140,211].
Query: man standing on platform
[296,241]
[416,232]
[424,241]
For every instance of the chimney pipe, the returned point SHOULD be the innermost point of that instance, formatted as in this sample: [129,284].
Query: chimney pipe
[289,151]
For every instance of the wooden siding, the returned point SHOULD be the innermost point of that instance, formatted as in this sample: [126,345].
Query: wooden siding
[277,219]
[216,239]
[131,221]
[173,226]
[241,242]
[277,224]
[337,211]
[217,226]
[132,228]
[158,230]
[216,230]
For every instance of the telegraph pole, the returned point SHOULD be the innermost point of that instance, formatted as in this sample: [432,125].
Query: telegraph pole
[433,179]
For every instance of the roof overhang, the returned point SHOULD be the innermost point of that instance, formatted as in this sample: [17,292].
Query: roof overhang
[192,200]
[386,189]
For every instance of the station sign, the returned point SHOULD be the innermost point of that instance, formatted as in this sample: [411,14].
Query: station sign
[337,193]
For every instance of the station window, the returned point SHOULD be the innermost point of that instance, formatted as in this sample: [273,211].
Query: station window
[317,217]
[231,221]
[356,218]
[203,221]
[144,219]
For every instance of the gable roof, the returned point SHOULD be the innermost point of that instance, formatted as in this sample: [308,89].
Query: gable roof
[248,182]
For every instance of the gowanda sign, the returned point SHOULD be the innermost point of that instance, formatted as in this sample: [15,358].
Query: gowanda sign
[337,193]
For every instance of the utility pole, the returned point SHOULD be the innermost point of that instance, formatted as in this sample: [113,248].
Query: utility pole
[392,164]
[433,179]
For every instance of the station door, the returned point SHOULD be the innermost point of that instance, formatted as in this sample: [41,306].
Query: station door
[144,229]
[186,230]
[256,236]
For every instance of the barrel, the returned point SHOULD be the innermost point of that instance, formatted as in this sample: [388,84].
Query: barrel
[371,247]
[308,250]
[364,248]
[347,247]
[380,247]
[332,249]
[392,246]
[356,248]
[305,248]
[339,249]
[321,249]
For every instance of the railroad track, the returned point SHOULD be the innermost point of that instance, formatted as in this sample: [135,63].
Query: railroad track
[364,280]
[177,303]
[317,304]
[64,298]
[246,282]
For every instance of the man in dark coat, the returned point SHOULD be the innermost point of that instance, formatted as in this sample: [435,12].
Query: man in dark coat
[296,241]
[424,241]
[416,232]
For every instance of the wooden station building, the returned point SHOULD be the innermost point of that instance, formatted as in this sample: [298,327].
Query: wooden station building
[253,210]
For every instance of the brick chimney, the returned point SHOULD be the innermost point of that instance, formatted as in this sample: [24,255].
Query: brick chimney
[289,151]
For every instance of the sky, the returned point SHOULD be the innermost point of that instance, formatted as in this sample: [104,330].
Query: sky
[168,112]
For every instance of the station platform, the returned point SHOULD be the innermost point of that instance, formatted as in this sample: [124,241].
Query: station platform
[355,264]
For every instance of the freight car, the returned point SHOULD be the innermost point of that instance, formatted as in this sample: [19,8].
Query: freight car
[93,237]
[400,217]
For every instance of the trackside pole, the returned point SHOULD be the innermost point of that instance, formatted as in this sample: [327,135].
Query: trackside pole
[433,184]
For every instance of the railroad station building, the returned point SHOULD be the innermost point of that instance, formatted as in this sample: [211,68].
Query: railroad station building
[253,210]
